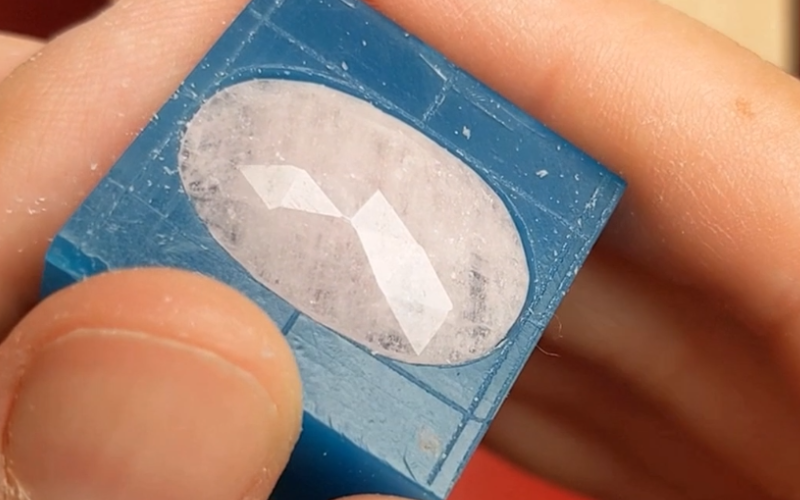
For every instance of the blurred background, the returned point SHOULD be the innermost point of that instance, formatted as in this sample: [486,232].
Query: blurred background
[768,27]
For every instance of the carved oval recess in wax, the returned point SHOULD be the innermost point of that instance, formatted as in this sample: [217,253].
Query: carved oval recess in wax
[356,219]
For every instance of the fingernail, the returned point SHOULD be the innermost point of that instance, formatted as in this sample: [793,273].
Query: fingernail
[106,414]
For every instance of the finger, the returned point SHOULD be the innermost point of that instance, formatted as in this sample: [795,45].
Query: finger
[603,404]
[704,131]
[146,384]
[691,362]
[67,115]
[14,50]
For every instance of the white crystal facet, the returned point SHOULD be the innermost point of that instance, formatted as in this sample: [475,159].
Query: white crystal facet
[403,271]
[286,186]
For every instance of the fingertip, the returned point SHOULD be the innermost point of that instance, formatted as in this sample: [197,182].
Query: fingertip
[175,305]
[14,50]
[174,382]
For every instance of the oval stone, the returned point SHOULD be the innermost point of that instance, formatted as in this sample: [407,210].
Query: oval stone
[356,219]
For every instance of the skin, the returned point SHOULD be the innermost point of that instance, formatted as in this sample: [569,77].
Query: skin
[671,371]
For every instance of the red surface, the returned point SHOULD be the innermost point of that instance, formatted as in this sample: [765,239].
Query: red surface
[42,18]
[487,477]
[490,477]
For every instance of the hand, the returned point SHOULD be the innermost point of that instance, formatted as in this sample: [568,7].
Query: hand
[671,371]
[149,384]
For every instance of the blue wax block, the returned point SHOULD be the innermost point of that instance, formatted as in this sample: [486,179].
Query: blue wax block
[410,231]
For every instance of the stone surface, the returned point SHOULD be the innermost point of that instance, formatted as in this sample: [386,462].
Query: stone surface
[357,219]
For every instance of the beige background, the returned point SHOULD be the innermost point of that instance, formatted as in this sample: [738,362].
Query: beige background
[764,26]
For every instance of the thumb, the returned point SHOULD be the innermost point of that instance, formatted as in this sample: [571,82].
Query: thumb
[149,384]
